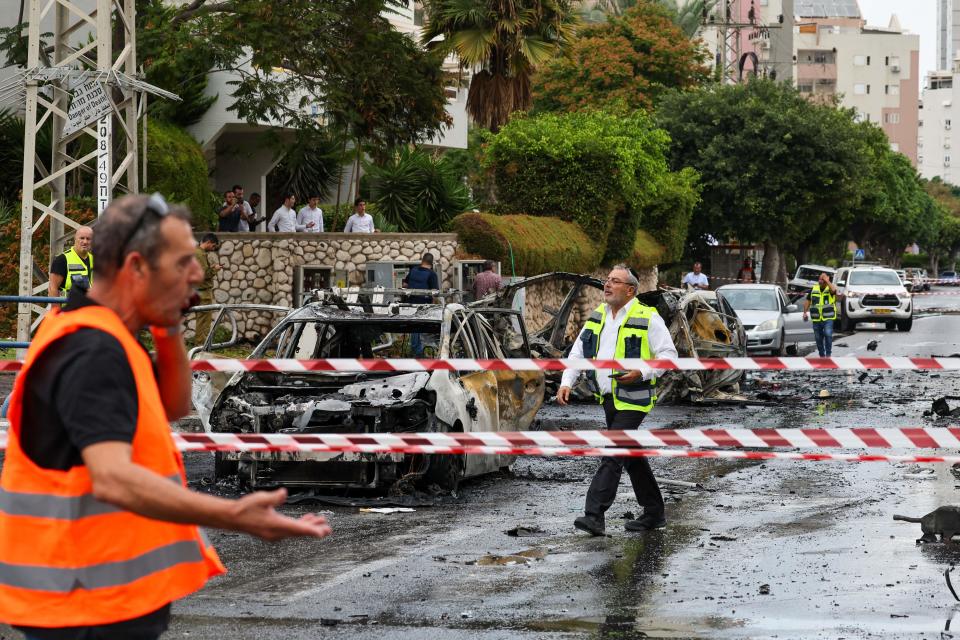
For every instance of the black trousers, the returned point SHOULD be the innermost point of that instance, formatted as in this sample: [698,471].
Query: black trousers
[603,488]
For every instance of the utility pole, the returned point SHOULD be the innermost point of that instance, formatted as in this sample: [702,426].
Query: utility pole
[85,84]
[731,26]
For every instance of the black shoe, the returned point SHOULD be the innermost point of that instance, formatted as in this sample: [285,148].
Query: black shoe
[591,525]
[646,522]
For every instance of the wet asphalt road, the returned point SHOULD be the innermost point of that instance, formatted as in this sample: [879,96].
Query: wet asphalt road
[773,549]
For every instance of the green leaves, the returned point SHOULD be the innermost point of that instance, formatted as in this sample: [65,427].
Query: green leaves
[604,172]
[417,192]
[509,39]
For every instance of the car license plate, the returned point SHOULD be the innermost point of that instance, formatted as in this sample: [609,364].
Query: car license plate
[883,310]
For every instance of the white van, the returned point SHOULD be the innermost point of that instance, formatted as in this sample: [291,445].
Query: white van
[808,275]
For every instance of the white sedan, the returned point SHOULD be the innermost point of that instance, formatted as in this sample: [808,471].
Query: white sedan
[772,324]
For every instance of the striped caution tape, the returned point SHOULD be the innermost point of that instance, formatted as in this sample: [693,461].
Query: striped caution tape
[528,364]
[596,443]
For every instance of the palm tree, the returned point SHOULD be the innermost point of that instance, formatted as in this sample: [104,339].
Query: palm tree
[687,14]
[506,40]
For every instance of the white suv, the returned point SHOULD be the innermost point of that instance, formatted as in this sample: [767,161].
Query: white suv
[873,294]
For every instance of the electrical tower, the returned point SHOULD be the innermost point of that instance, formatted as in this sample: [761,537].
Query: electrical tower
[731,25]
[84,83]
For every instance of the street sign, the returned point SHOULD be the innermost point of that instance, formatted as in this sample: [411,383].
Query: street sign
[90,102]
[859,254]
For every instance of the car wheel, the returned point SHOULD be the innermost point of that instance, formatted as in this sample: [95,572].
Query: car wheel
[223,467]
[782,351]
[905,325]
[445,471]
[845,325]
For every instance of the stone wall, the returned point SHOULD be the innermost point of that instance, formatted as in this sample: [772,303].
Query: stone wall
[260,268]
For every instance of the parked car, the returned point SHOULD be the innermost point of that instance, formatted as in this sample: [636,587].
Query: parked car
[907,282]
[873,294]
[375,401]
[919,279]
[806,276]
[948,279]
[771,322]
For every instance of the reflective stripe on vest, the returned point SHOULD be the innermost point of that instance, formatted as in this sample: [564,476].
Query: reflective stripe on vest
[66,556]
[823,304]
[632,342]
[77,268]
[99,576]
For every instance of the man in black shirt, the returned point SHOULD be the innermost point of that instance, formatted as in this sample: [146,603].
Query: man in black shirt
[75,263]
[80,400]
[230,211]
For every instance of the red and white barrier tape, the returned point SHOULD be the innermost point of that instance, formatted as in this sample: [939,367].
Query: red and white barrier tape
[837,438]
[595,443]
[528,364]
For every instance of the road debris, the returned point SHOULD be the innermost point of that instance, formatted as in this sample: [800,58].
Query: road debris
[386,510]
[521,557]
[872,345]
[525,532]
[764,589]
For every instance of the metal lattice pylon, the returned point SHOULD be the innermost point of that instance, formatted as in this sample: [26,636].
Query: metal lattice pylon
[94,43]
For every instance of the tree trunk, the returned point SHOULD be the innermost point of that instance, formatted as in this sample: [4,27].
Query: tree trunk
[782,275]
[771,262]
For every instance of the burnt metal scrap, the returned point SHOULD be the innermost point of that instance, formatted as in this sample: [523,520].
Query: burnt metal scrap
[368,326]
[701,323]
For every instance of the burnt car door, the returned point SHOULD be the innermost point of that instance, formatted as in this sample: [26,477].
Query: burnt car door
[519,393]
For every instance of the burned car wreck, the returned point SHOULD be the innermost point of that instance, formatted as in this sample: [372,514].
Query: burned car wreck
[702,325]
[371,401]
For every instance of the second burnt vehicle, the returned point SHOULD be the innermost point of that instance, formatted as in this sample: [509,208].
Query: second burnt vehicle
[375,401]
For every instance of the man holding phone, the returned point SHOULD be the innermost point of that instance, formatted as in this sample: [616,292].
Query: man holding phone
[620,328]
[821,307]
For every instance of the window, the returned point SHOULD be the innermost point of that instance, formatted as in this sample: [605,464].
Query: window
[886,61]
[891,118]
[868,89]
[946,123]
[860,61]
[920,123]
[860,89]
[868,61]
[805,86]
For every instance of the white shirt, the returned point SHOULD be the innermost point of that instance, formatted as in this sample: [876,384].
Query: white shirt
[661,346]
[696,279]
[308,215]
[284,220]
[358,224]
[243,224]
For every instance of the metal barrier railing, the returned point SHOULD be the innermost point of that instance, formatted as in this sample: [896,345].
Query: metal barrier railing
[7,344]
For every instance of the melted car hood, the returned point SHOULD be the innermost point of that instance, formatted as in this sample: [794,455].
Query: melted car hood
[385,391]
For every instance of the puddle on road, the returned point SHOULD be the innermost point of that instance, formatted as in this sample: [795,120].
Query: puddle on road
[520,558]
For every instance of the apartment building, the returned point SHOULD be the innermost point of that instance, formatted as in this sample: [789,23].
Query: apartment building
[874,70]
[948,32]
[936,140]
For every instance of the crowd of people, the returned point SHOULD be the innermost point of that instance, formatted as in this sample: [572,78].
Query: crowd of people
[239,215]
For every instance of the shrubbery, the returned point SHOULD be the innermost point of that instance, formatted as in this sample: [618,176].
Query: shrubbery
[177,169]
[538,244]
[606,173]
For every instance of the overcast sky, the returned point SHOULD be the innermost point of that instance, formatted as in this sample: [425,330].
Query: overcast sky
[916,16]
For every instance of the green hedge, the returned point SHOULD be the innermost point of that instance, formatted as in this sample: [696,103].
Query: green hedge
[539,244]
[177,168]
[646,251]
[605,172]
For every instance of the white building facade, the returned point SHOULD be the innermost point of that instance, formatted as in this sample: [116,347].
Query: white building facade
[872,69]
[937,140]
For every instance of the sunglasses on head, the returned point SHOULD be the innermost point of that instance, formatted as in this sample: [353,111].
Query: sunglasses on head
[156,206]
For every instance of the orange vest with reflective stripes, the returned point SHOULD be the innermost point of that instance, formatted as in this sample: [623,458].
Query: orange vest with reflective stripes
[69,559]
